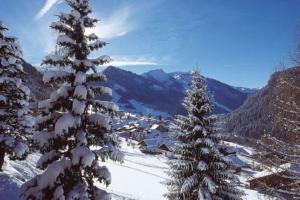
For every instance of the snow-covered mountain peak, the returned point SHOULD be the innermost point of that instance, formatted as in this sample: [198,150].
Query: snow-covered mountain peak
[183,77]
[159,75]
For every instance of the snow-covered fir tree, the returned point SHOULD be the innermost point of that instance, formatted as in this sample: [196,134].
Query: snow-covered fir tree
[15,121]
[200,170]
[72,120]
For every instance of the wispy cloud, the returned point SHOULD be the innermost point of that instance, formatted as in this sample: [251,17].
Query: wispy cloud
[116,25]
[47,6]
[125,61]
[130,63]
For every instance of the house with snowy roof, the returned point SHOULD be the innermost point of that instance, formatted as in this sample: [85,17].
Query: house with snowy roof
[155,145]
[282,180]
[149,146]
[237,150]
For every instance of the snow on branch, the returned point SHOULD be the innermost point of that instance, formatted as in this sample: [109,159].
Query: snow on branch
[78,107]
[97,45]
[111,153]
[96,77]
[80,78]
[100,120]
[80,92]
[101,60]
[107,105]
[189,183]
[102,173]
[20,150]
[102,90]
[92,37]
[50,177]
[62,92]
[61,27]
[57,60]
[46,158]
[64,124]
[45,105]
[65,40]
[83,156]
[210,184]
[202,166]
[53,76]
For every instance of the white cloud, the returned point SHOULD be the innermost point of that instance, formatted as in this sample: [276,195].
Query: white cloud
[124,61]
[130,62]
[47,6]
[116,25]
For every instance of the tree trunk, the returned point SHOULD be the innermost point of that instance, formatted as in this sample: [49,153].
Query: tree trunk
[2,155]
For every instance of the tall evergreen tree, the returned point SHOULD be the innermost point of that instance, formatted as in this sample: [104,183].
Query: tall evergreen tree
[15,122]
[72,121]
[200,170]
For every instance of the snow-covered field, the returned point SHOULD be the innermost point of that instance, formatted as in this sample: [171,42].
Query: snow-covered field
[140,177]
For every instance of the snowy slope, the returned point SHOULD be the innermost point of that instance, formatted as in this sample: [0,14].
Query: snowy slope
[140,177]
[15,174]
[159,75]
[248,91]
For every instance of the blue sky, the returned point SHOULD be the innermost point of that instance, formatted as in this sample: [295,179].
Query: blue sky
[238,42]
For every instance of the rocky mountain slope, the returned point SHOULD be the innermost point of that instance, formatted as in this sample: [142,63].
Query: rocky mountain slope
[274,110]
[34,81]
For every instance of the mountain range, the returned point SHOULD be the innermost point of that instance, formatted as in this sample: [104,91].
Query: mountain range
[159,93]
[155,92]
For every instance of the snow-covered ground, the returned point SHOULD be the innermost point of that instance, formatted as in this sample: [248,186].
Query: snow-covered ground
[140,177]
[15,174]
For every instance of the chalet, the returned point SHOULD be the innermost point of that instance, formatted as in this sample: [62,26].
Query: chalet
[149,146]
[154,145]
[162,128]
[266,157]
[164,147]
[281,180]
[237,150]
